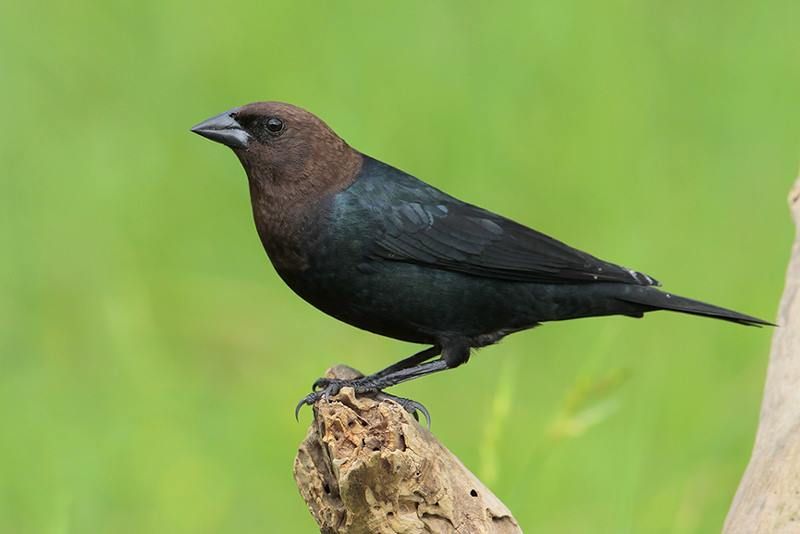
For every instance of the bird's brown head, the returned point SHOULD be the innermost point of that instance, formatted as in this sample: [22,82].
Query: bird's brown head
[285,150]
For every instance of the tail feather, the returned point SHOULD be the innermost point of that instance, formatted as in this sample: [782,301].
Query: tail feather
[657,300]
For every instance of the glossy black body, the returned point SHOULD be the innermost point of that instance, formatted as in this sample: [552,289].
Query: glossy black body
[372,263]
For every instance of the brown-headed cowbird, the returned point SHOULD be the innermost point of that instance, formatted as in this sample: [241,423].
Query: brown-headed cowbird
[383,251]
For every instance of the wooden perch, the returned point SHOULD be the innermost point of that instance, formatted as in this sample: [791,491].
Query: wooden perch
[768,498]
[366,466]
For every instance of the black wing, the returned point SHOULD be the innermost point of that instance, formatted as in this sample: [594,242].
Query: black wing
[449,234]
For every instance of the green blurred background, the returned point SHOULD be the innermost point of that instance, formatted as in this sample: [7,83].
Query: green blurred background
[150,358]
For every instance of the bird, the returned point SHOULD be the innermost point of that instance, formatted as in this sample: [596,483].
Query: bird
[386,252]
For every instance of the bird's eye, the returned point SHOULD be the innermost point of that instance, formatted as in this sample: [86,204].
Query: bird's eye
[274,124]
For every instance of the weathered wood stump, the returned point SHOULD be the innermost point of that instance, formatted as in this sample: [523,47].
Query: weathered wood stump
[768,498]
[367,466]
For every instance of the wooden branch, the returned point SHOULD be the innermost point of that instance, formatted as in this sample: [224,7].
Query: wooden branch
[768,498]
[366,466]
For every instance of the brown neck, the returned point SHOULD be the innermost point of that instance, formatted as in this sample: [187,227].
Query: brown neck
[284,197]
[303,180]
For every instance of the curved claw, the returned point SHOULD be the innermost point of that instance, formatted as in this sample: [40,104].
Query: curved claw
[418,407]
[412,407]
[323,388]
[309,400]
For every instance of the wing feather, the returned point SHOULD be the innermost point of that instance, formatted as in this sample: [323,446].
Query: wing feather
[461,237]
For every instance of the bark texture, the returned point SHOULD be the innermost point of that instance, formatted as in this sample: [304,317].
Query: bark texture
[768,498]
[366,466]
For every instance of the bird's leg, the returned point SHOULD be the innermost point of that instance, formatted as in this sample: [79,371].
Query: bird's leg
[402,371]
[377,383]
[411,361]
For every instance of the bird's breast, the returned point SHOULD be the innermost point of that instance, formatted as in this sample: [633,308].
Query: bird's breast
[283,237]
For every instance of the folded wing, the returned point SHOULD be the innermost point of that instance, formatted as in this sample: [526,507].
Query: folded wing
[448,234]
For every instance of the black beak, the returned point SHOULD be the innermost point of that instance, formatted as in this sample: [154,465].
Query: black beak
[224,129]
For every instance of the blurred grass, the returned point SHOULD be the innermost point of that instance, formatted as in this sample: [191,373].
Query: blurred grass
[150,358]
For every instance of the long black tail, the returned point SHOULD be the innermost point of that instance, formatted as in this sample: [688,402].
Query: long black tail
[654,299]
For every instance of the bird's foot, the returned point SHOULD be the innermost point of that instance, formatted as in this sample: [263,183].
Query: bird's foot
[326,388]
[410,405]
